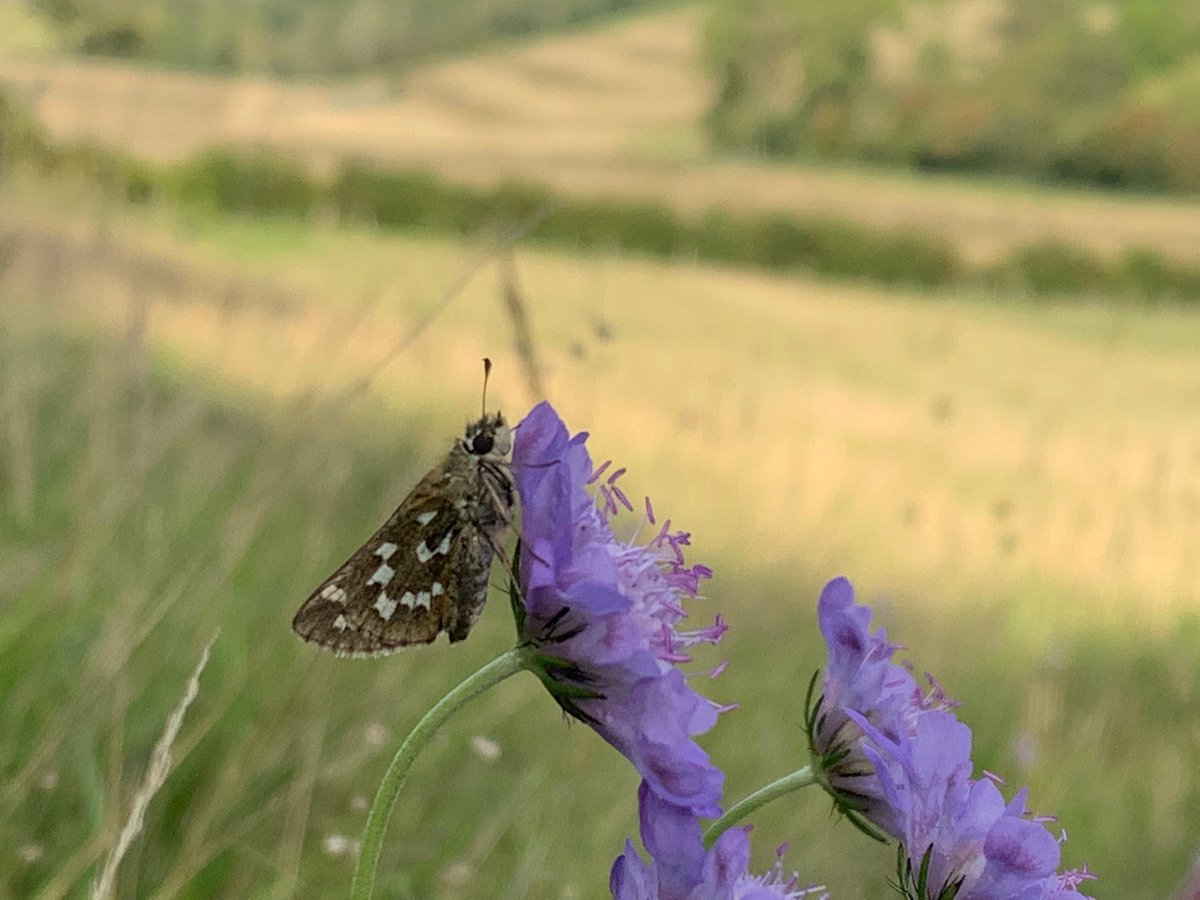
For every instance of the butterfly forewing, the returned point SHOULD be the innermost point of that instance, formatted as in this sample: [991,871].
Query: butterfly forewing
[426,569]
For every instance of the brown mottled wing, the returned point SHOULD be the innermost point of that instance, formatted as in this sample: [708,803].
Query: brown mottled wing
[397,589]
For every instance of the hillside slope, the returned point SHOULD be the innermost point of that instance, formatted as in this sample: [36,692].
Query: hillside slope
[610,110]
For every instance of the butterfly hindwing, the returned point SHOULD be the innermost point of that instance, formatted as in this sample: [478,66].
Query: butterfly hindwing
[474,551]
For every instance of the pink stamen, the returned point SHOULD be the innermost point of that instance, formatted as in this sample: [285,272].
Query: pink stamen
[615,475]
[662,534]
[596,473]
[894,681]
[666,635]
[649,511]
[620,495]
[1075,877]
[673,606]
[719,627]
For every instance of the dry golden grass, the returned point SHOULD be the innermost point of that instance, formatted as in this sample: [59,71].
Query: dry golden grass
[926,445]
[611,110]
[578,97]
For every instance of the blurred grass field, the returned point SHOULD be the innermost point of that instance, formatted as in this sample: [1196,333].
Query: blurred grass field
[187,447]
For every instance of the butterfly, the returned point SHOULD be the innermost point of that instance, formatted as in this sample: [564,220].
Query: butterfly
[426,569]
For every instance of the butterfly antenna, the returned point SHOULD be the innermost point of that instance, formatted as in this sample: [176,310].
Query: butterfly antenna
[487,370]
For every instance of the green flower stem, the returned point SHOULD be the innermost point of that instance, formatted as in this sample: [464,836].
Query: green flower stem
[385,798]
[785,785]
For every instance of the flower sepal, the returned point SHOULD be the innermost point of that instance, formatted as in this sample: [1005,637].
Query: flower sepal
[835,764]
[915,885]
[514,595]
[566,681]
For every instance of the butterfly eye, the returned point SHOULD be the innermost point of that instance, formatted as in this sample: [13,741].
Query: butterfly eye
[481,443]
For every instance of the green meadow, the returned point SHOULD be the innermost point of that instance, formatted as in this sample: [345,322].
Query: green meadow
[242,314]
[203,415]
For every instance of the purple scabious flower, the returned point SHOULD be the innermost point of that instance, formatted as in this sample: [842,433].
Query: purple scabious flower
[860,677]
[942,815]
[958,837]
[600,614]
[1021,860]
[681,869]
[894,755]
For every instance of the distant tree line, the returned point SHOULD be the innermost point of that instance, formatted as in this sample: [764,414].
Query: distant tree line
[294,37]
[1104,92]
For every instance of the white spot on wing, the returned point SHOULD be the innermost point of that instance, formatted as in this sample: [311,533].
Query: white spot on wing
[412,601]
[385,605]
[333,592]
[340,623]
[437,589]
[382,575]
[426,517]
[424,554]
[385,551]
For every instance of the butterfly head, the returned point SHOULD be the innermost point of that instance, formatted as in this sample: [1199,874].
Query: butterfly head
[489,436]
